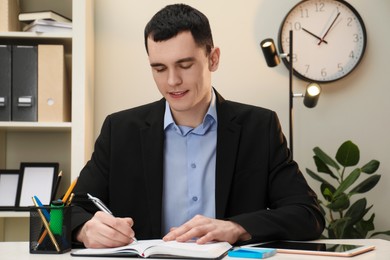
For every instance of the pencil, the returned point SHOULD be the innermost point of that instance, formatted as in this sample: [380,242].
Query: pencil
[53,196]
[47,227]
[70,199]
[69,191]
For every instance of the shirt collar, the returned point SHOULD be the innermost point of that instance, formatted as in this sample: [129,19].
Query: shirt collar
[210,115]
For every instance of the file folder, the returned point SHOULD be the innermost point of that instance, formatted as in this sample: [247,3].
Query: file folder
[5,82]
[53,91]
[24,83]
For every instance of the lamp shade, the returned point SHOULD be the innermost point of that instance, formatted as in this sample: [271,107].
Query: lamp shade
[313,91]
[270,54]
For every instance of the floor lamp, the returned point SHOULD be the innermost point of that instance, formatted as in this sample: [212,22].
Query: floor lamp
[313,90]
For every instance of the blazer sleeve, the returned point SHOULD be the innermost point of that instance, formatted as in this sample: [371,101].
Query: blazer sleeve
[93,178]
[287,207]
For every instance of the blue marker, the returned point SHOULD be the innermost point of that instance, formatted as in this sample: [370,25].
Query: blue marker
[44,211]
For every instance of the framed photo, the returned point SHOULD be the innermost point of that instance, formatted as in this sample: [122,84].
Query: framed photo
[36,179]
[9,181]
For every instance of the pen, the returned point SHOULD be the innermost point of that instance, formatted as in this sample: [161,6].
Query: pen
[98,203]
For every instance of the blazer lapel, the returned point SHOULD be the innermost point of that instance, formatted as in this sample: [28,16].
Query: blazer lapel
[152,138]
[227,146]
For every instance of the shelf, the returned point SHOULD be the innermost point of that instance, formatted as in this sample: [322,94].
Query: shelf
[35,35]
[14,214]
[32,38]
[36,126]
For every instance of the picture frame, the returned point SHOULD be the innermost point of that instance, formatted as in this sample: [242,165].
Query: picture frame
[9,183]
[36,179]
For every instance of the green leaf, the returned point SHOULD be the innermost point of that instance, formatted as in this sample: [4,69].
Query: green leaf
[357,211]
[350,232]
[322,167]
[325,158]
[363,227]
[366,185]
[348,154]
[339,203]
[327,191]
[336,227]
[316,176]
[370,167]
[352,177]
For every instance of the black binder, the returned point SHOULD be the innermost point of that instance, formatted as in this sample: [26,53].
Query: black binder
[5,82]
[24,83]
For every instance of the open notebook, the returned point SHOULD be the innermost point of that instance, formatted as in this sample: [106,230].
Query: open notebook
[159,248]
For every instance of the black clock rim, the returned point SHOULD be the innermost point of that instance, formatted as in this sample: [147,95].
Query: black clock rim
[299,75]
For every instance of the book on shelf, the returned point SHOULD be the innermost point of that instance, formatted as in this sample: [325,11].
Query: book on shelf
[9,10]
[44,26]
[47,15]
[159,249]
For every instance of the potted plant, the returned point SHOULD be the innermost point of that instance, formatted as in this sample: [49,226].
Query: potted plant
[344,218]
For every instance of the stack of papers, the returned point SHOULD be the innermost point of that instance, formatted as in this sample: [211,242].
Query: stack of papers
[44,26]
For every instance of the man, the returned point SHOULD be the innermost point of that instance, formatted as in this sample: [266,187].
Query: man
[192,165]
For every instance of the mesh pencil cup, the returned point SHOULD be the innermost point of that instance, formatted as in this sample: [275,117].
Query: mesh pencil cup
[50,235]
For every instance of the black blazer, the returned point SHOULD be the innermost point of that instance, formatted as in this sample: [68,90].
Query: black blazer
[257,184]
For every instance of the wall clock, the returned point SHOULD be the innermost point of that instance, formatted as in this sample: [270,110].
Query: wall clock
[329,39]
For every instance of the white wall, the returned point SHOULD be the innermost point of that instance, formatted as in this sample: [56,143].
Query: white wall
[354,108]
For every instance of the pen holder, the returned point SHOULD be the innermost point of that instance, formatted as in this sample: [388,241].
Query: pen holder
[50,229]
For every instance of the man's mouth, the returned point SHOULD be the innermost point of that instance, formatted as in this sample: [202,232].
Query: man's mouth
[178,94]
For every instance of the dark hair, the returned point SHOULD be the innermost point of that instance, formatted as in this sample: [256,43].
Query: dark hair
[176,18]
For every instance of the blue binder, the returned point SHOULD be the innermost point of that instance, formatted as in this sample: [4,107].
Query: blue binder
[24,83]
[5,82]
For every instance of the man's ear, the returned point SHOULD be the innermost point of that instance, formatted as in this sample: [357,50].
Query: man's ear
[214,59]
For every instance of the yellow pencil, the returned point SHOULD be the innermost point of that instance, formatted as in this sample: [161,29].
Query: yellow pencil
[69,191]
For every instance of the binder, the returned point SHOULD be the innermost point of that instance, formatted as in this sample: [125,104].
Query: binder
[53,90]
[5,82]
[24,83]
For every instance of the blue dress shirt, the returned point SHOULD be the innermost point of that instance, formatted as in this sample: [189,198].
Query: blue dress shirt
[189,169]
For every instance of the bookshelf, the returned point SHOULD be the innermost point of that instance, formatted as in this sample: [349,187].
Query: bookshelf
[69,143]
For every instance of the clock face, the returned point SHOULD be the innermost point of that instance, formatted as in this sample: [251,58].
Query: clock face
[329,39]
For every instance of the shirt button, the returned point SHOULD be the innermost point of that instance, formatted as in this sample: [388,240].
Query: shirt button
[193,165]
[195,198]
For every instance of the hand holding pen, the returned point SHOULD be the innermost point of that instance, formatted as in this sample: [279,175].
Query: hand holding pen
[100,205]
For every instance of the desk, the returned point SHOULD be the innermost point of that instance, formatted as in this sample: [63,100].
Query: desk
[20,251]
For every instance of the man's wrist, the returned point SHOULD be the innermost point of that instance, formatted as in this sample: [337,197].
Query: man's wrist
[243,235]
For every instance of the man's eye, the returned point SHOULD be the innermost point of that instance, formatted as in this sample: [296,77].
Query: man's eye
[186,66]
[159,69]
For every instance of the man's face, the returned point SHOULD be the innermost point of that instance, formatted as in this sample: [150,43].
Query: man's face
[182,72]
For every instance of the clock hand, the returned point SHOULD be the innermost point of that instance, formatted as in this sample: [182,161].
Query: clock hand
[315,36]
[326,33]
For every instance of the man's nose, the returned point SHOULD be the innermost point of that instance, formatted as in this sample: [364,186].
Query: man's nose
[174,78]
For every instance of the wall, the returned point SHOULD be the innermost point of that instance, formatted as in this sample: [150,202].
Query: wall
[354,108]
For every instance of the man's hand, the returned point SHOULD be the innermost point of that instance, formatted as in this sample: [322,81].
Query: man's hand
[207,229]
[104,230]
